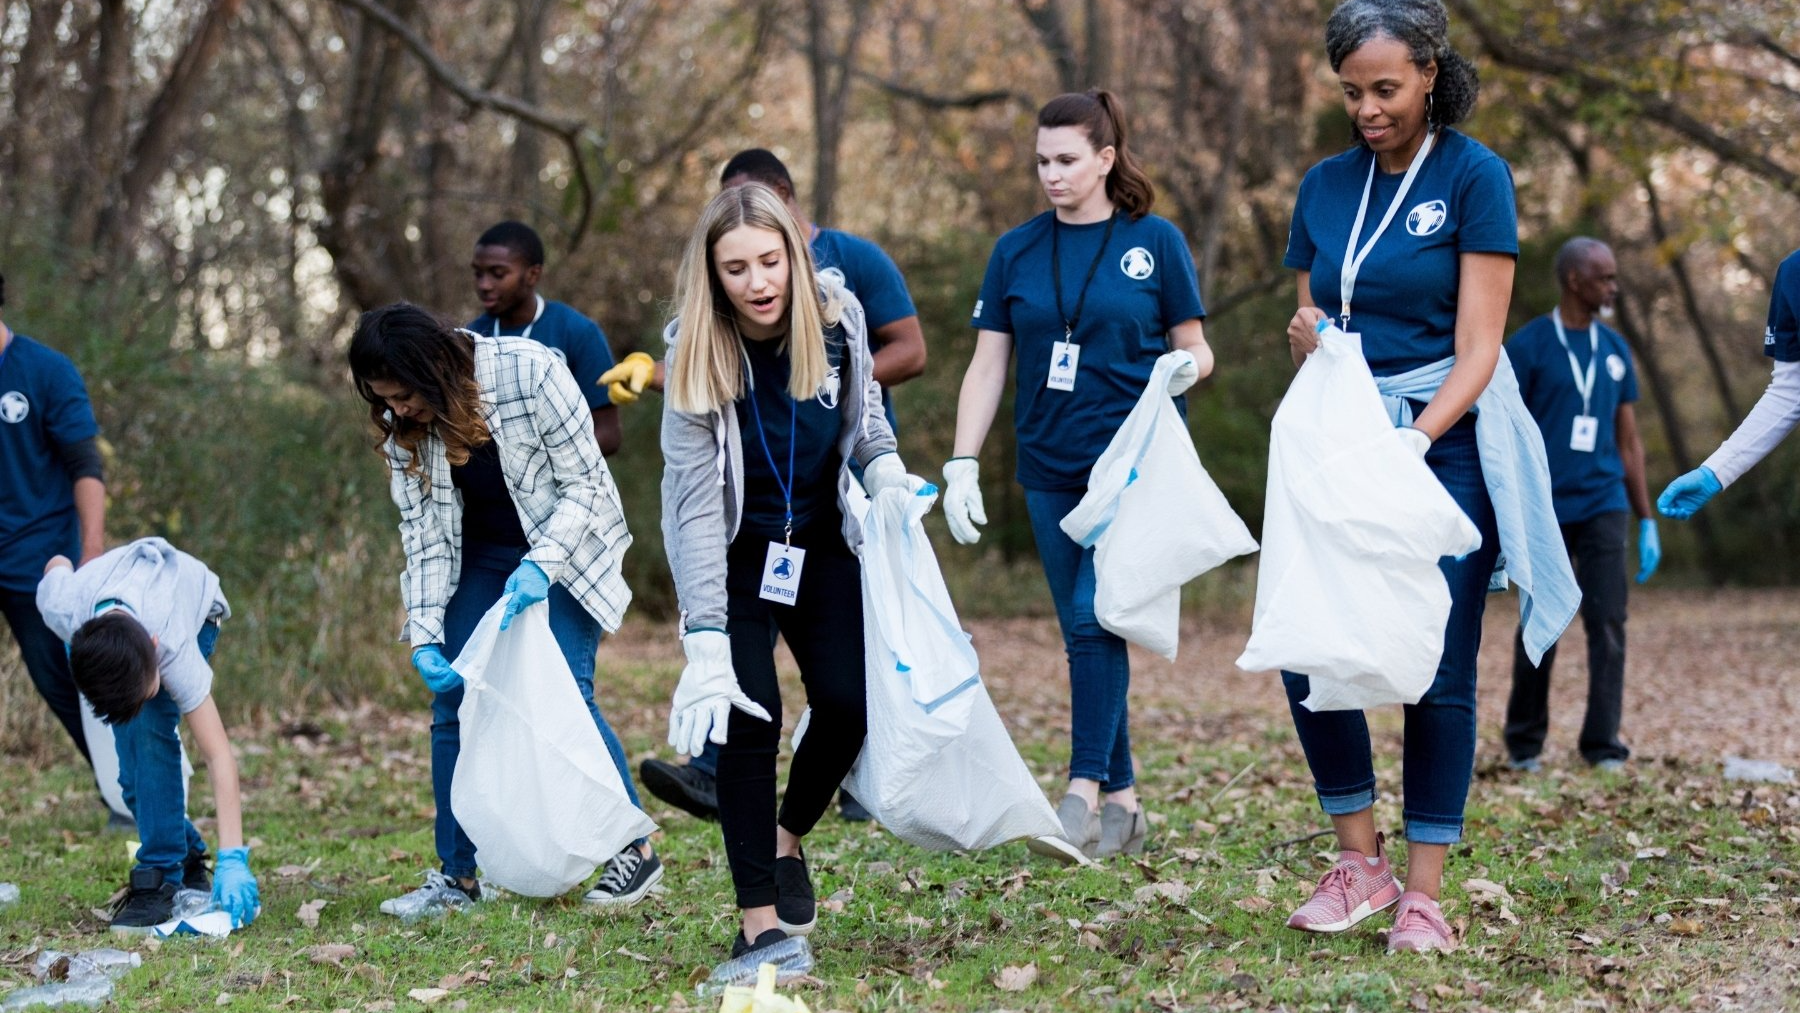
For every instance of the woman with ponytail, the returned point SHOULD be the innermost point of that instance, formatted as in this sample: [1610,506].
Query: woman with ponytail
[1089,295]
[1415,226]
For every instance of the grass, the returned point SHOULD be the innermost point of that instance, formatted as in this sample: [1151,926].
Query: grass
[1659,888]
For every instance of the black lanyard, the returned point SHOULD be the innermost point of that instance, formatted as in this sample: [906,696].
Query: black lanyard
[1069,322]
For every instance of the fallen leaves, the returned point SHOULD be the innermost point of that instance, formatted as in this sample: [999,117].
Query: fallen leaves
[428,996]
[330,953]
[309,913]
[1013,978]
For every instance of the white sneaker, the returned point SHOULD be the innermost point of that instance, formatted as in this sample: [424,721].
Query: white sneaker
[438,894]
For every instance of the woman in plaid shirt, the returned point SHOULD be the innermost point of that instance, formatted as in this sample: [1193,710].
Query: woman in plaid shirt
[502,492]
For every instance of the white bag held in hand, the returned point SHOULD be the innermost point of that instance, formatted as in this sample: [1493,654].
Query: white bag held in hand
[1349,592]
[534,788]
[938,768]
[1155,518]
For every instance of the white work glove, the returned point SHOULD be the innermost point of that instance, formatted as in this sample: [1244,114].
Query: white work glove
[1414,440]
[707,692]
[1185,374]
[886,472]
[962,499]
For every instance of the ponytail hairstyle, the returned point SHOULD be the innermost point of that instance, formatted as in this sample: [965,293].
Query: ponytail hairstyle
[1423,27]
[401,343]
[707,371]
[1100,114]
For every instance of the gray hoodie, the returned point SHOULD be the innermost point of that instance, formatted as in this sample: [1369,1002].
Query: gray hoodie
[703,470]
[170,592]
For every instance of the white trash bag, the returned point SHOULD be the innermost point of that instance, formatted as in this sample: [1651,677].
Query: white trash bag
[938,768]
[535,788]
[103,749]
[1349,592]
[1156,521]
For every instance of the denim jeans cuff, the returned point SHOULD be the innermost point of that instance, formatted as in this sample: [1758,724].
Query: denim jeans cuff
[1420,831]
[1107,788]
[1343,803]
[449,873]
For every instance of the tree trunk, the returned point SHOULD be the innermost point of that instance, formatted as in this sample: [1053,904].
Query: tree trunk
[107,78]
[831,72]
[527,148]
[30,75]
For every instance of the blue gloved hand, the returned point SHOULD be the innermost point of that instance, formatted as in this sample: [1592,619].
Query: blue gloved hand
[1649,549]
[435,669]
[527,586]
[1686,495]
[234,888]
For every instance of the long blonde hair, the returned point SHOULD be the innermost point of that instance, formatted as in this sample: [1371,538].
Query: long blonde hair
[708,371]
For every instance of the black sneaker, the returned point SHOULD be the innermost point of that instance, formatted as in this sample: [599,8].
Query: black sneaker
[851,809]
[682,785]
[627,878]
[796,909]
[196,874]
[764,940]
[149,901]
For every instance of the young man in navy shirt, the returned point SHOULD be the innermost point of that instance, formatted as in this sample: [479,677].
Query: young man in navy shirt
[508,264]
[52,501]
[1576,376]
[898,344]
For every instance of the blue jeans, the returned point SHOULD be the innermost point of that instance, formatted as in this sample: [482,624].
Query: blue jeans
[1099,668]
[150,776]
[483,580]
[1439,753]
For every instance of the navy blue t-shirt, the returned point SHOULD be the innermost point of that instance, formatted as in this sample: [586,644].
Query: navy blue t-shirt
[575,339]
[1144,285]
[489,514]
[43,407]
[809,427]
[1405,300]
[1584,484]
[870,275]
[1781,341]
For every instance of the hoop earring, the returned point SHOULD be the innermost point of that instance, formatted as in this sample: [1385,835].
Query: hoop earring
[1430,108]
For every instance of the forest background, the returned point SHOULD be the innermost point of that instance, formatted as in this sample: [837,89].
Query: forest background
[198,196]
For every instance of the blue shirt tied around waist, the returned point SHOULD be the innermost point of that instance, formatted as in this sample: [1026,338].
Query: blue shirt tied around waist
[1517,476]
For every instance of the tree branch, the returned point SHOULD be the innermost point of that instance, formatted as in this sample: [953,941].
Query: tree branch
[917,96]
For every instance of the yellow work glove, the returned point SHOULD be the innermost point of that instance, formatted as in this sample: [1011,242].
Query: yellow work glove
[626,381]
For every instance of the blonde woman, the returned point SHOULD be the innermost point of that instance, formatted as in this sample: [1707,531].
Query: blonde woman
[771,393]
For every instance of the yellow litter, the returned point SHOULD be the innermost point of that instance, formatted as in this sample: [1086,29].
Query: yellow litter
[761,999]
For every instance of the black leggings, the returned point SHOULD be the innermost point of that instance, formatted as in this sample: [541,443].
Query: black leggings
[824,630]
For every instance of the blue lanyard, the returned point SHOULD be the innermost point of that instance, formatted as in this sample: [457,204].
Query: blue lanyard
[787,487]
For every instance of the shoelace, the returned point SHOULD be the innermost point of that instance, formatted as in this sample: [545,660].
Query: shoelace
[1339,879]
[1416,917]
[619,871]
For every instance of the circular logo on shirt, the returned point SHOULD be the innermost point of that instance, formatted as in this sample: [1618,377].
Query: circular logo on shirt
[1615,368]
[828,389]
[14,407]
[1137,263]
[1427,218]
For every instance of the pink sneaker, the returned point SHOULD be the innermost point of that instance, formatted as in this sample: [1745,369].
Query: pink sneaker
[1353,890]
[1419,926]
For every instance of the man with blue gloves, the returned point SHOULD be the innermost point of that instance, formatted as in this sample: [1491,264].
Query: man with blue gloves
[1576,377]
[1769,422]
[141,622]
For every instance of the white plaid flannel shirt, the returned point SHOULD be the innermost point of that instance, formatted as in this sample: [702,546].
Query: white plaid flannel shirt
[557,478]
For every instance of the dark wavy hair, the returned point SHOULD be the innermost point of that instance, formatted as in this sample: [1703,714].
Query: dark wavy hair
[1423,27]
[1100,114]
[401,343]
[113,661]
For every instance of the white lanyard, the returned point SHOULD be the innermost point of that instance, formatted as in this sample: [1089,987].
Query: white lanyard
[1583,384]
[1353,258]
[535,317]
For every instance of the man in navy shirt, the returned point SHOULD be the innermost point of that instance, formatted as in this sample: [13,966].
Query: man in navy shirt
[898,344]
[1576,377]
[52,501]
[509,262]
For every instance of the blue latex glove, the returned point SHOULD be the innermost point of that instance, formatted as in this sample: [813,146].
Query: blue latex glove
[1649,549]
[527,586]
[234,888]
[435,669]
[1686,495]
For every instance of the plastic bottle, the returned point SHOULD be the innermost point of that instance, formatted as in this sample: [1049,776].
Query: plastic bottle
[9,894]
[56,966]
[84,992]
[791,958]
[189,903]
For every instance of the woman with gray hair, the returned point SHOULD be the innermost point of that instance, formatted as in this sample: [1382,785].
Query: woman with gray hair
[1416,222]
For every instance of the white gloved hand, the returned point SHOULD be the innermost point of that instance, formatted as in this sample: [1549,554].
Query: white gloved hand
[962,499]
[706,693]
[1414,440]
[1185,374]
[886,472]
